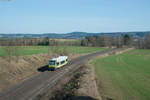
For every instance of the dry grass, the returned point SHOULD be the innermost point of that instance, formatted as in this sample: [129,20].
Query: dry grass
[14,72]
[88,84]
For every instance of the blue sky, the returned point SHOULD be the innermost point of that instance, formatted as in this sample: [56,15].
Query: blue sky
[61,16]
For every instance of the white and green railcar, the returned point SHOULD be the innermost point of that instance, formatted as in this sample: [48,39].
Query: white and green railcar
[58,62]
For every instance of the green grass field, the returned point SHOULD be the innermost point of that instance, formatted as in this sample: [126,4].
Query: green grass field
[125,76]
[29,50]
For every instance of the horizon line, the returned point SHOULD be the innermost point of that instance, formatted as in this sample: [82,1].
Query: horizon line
[71,32]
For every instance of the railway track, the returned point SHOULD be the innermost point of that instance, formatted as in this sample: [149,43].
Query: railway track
[44,81]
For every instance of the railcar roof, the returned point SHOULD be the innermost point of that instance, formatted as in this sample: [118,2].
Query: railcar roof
[60,58]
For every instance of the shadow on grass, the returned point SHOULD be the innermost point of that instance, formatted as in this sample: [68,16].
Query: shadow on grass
[43,68]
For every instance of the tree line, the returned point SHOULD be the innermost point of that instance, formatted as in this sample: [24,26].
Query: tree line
[118,41]
[107,41]
[36,42]
[99,41]
[142,43]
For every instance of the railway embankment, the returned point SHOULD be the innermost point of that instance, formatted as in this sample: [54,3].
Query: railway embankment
[21,68]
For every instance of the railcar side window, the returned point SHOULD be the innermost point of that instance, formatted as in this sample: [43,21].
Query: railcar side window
[62,62]
[57,63]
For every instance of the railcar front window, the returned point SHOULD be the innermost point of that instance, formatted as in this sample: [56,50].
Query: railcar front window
[52,63]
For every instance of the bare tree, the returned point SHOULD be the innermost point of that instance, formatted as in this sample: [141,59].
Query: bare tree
[147,42]
[119,41]
[84,42]
[107,42]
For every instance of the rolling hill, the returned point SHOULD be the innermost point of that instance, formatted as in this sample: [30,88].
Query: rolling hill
[72,35]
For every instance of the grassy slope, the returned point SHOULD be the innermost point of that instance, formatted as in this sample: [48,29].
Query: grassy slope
[29,50]
[125,76]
